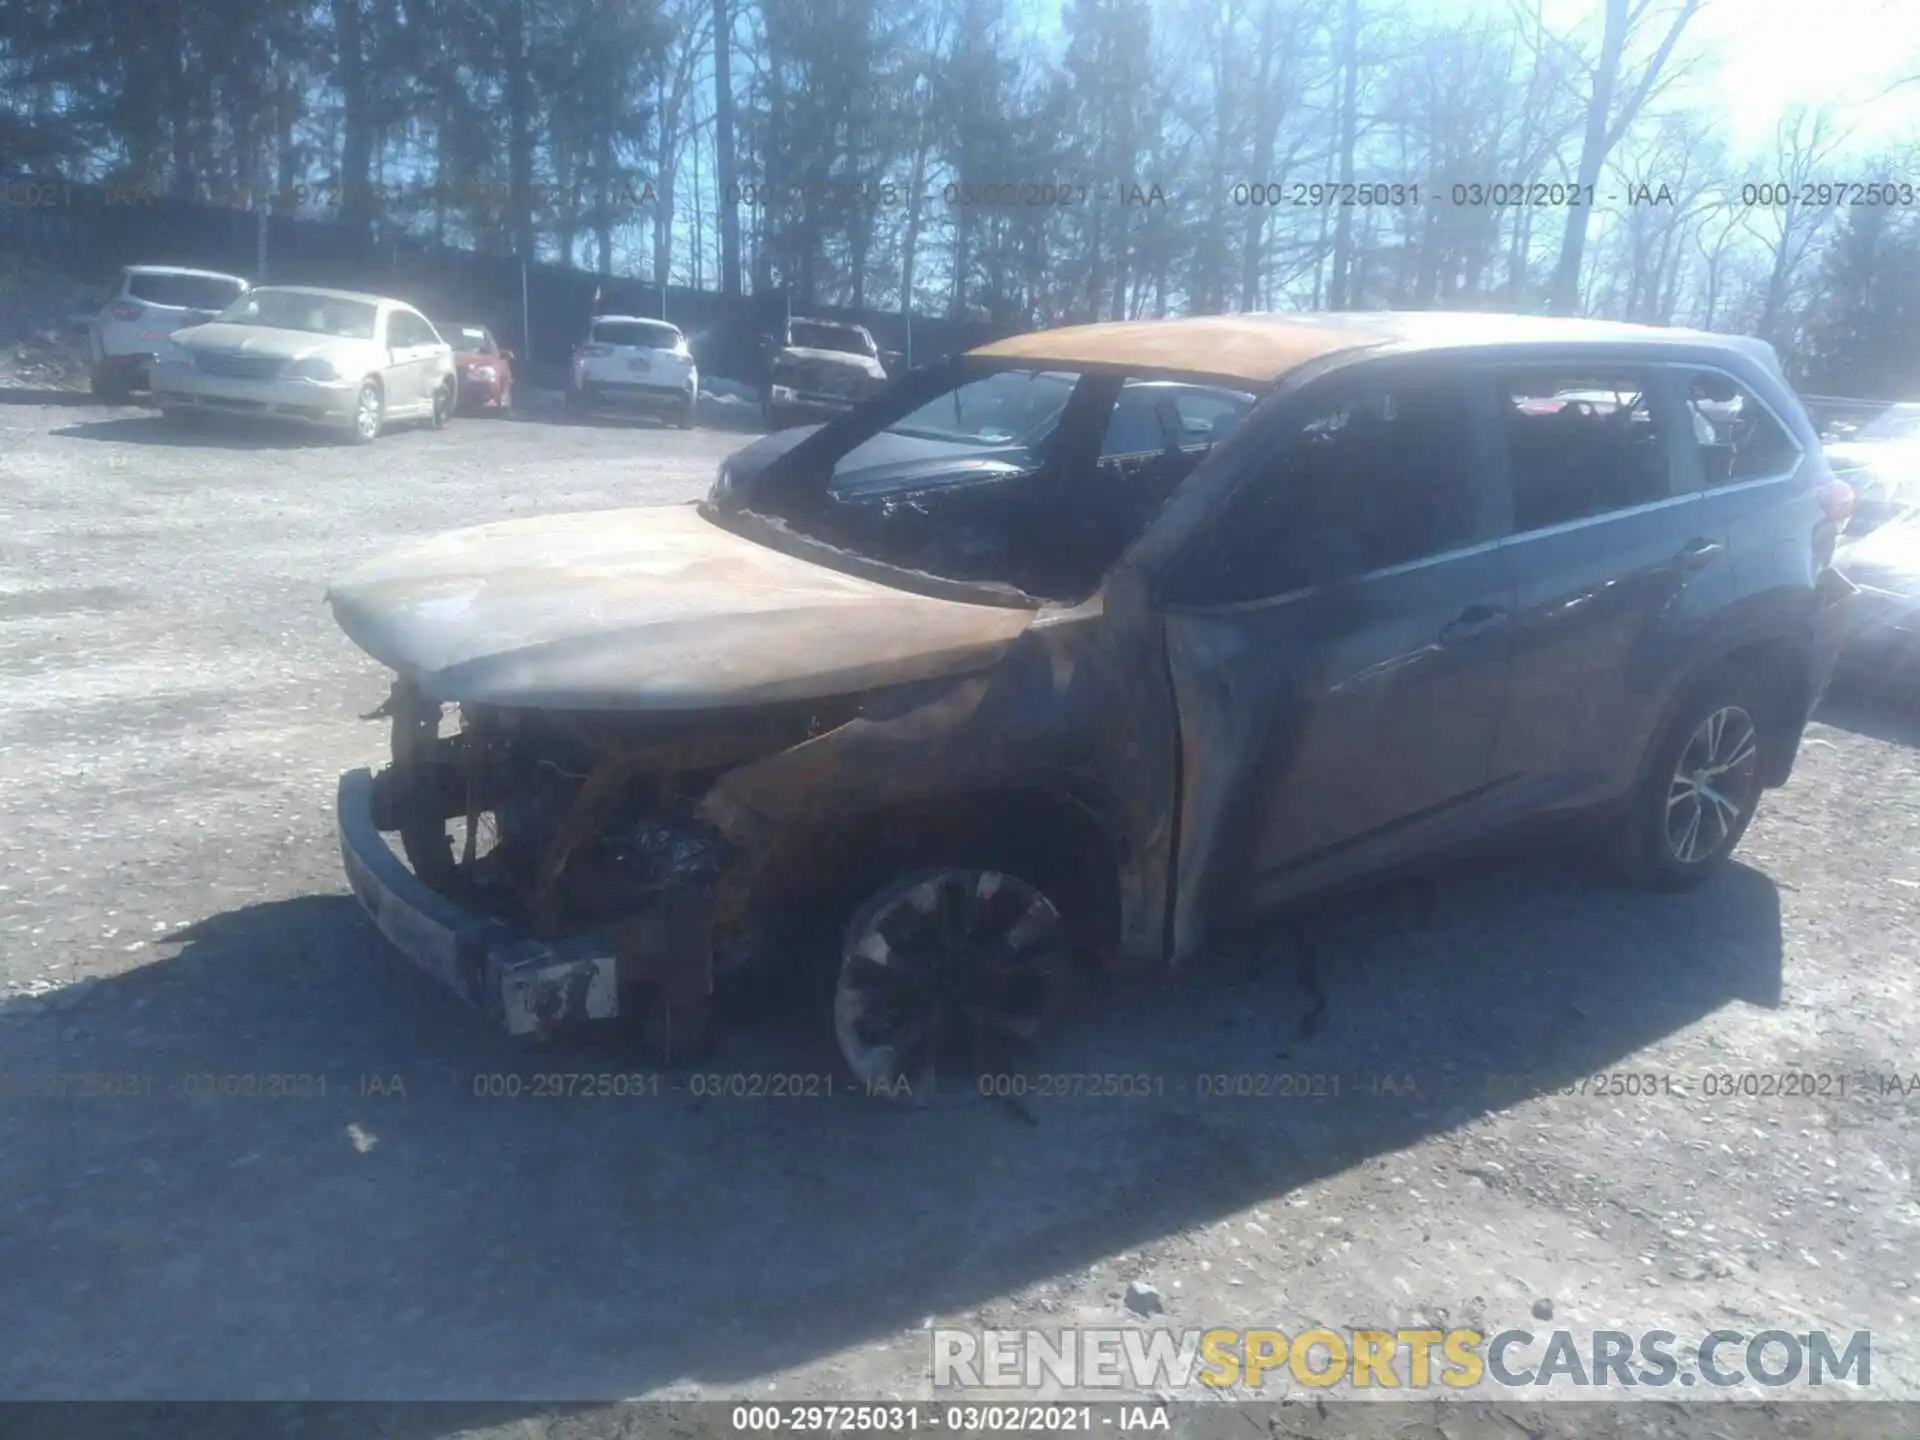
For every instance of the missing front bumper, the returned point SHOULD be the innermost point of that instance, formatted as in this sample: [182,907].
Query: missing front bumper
[530,986]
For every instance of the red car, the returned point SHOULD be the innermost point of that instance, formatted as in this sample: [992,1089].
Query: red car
[485,370]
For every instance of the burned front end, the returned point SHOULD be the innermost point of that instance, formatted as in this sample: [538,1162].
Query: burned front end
[553,866]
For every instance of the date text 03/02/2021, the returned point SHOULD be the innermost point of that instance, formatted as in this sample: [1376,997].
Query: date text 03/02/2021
[815,1418]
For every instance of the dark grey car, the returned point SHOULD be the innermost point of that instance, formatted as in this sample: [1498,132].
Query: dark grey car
[1099,642]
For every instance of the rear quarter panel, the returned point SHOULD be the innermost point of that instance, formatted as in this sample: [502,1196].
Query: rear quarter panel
[1772,589]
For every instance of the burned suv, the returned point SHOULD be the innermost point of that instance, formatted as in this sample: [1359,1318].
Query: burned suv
[1093,645]
[818,369]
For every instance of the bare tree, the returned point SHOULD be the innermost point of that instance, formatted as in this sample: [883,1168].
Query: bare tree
[1795,207]
[1608,117]
[1349,123]
[725,175]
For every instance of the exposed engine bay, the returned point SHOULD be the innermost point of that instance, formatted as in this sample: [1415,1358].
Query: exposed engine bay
[561,822]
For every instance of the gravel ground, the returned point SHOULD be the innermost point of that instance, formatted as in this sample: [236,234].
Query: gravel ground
[176,707]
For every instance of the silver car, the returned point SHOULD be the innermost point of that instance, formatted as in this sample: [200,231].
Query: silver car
[326,357]
[151,302]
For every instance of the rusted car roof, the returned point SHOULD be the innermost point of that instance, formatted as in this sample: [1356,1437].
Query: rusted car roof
[1262,347]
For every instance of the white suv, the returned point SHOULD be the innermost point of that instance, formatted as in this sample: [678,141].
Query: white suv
[151,303]
[635,364]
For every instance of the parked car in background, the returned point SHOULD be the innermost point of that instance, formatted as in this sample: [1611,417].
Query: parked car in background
[635,365]
[150,303]
[485,370]
[1883,634]
[818,369]
[1881,461]
[1095,643]
[325,357]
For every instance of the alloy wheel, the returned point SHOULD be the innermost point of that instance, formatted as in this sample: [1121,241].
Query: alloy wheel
[366,414]
[1712,785]
[950,970]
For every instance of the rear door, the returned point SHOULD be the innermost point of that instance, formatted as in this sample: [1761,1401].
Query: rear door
[1619,567]
[1338,640]
[413,346]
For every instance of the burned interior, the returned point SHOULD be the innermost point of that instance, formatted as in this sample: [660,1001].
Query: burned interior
[1033,478]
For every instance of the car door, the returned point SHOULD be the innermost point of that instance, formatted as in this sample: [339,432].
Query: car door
[409,354]
[396,377]
[1617,561]
[1337,639]
[436,361]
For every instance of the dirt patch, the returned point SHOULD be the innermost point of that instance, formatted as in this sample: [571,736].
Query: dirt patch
[43,315]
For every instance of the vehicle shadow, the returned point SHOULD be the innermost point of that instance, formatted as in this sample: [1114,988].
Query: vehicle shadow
[1876,704]
[223,432]
[410,1212]
[44,395]
[549,408]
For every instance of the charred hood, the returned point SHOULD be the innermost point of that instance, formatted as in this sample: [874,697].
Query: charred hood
[647,609]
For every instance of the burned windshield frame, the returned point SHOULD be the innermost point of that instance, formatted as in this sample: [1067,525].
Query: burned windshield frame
[786,503]
[803,476]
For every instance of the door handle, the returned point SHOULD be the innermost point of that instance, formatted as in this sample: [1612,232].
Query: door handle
[1474,621]
[1698,554]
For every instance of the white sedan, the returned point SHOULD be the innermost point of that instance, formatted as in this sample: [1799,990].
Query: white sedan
[326,357]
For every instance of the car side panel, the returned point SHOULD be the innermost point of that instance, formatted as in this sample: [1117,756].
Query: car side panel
[1776,593]
[1776,590]
[1614,609]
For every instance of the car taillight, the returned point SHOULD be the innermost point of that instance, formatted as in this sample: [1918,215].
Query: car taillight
[126,310]
[1835,498]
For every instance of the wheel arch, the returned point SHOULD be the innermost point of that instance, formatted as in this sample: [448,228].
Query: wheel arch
[1783,668]
[1056,836]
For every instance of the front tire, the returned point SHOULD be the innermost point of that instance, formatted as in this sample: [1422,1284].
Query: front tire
[443,401]
[684,416]
[369,413]
[1700,790]
[947,969]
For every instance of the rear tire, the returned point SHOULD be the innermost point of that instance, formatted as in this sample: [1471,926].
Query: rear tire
[1701,787]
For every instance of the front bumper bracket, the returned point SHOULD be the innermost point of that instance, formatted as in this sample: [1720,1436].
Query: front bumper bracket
[528,985]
